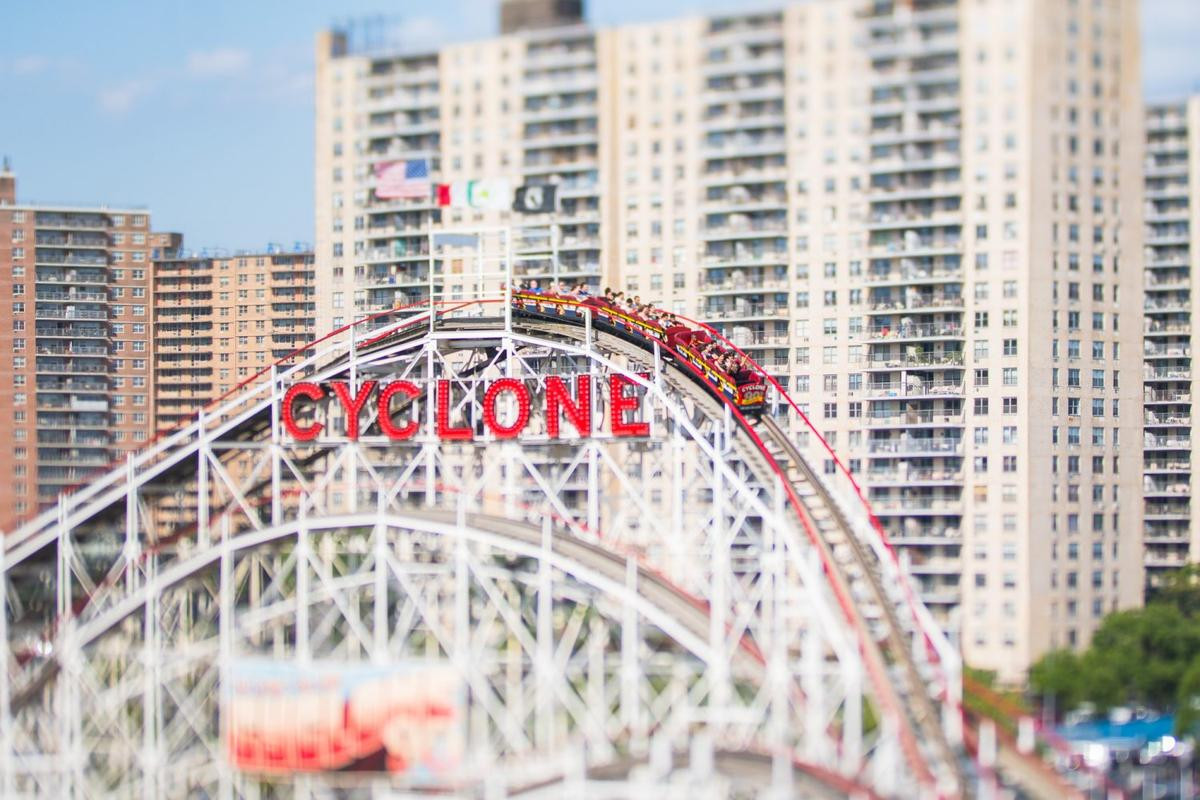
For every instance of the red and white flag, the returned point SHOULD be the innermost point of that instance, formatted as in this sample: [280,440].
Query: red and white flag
[493,193]
[402,179]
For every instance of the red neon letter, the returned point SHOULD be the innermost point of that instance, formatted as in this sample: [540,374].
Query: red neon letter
[445,432]
[579,414]
[489,408]
[342,390]
[303,389]
[618,403]
[385,410]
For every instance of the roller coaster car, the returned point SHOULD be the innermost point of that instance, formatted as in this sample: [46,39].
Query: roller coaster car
[746,389]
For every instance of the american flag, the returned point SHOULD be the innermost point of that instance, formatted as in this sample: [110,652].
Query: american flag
[402,179]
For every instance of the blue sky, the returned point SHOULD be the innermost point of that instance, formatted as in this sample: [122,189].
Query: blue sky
[203,110]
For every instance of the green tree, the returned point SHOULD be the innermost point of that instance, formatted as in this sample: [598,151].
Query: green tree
[1141,656]
[1180,588]
[1057,674]
[1187,708]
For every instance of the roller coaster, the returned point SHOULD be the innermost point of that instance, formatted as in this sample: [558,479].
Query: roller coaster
[657,581]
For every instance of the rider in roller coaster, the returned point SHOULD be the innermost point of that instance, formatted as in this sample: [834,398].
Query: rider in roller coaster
[721,358]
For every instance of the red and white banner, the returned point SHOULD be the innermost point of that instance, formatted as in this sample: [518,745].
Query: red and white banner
[494,194]
[403,718]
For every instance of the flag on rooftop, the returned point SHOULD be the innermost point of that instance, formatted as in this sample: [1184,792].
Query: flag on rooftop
[402,179]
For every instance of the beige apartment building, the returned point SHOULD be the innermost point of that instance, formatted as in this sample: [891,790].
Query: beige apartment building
[911,212]
[220,320]
[1172,179]
[78,390]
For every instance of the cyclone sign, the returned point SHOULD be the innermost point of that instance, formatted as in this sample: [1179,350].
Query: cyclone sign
[624,408]
[404,719]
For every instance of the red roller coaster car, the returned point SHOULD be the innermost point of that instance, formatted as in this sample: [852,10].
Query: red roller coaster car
[745,388]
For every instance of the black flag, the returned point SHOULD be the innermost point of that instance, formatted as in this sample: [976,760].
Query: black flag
[534,199]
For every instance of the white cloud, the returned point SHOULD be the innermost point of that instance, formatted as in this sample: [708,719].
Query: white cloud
[222,62]
[122,97]
[415,31]
[29,65]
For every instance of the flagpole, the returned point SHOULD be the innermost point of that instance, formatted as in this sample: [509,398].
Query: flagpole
[554,233]
[432,302]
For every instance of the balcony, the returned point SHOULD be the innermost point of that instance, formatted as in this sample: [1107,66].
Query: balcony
[72,333]
[933,218]
[916,190]
[1168,374]
[745,175]
[73,457]
[890,361]
[917,246]
[73,297]
[745,230]
[1168,351]
[911,331]
[748,311]
[743,90]
[580,80]
[906,475]
[1167,560]
[912,274]
[399,253]
[1166,465]
[751,285]
[760,340]
[1167,305]
[914,388]
[916,505]
[76,260]
[96,222]
[747,60]
[1152,487]
[744,145]
[1166,512]
[745,257]
[939,447]
[68,240]
[556,111]
[745,202]
[1167,442]
[71,385]
[770,118]
[71,368]
[918,303]
[579,243]
[1157,283]
[925,417]
[70,313]
[87,278]
[1156,168]
[76,349]
[1167,420]
[1155,326]
[1167,396]
[915,161]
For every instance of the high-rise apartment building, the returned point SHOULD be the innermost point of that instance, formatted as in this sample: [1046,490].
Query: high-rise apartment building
[1172,180]
[909,211]
[78,393]
[219,320]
